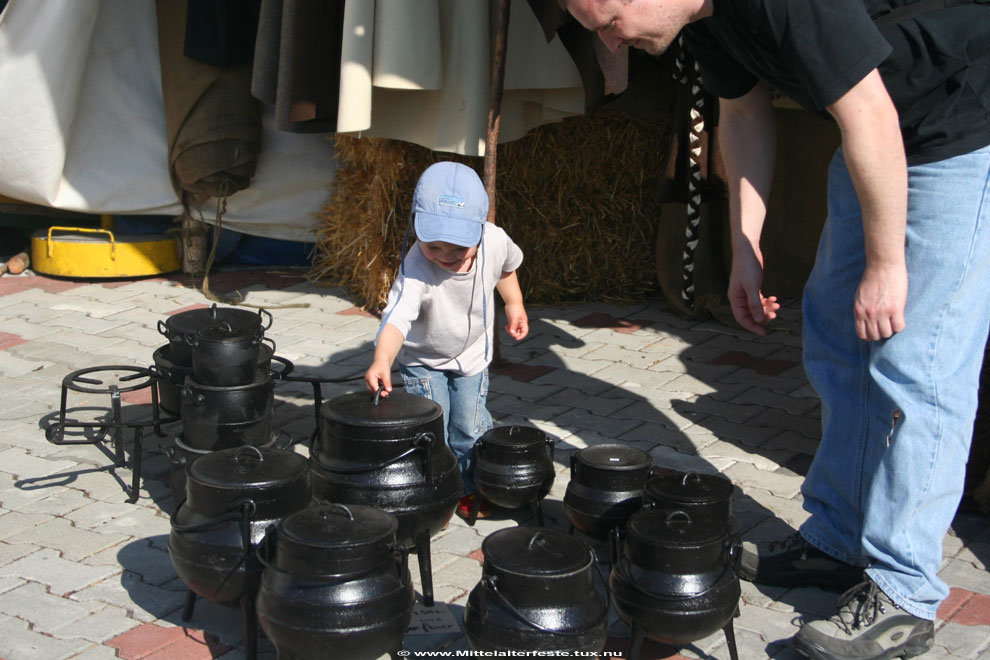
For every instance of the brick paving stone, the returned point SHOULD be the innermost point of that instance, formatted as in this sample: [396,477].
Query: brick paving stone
[684,441]
[623,375]
[60,575]
[779,484]
[10,552]
[28,330]
[583,420]
[746,435]
[674,460]
[46,613]
[524,390]
[761,459]
[675,418]
[17,642]
[13,523]
[12,366]
[9,340]
[143,602]
[73,543]
[97,652]
[151,642]
[963,641]
[790,403]
[509,405]
[964,574]
[60,503]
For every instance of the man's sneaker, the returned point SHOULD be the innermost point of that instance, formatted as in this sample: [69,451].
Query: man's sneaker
[867,626]
[793,562]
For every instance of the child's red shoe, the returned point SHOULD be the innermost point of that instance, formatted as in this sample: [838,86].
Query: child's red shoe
[466,505]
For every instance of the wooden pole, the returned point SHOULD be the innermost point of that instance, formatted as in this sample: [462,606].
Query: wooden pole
[491,134]
[495,103]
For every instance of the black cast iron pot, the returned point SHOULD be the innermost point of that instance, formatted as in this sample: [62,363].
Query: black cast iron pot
[225,357]
[181,456]
[537,593]
[389,453]
[336,584]
[242,414]
[185,324]
[174,375]
[513,465]
[232,497]
[606,487]
[673,578]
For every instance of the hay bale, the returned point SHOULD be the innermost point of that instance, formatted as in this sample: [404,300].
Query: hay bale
[578,196]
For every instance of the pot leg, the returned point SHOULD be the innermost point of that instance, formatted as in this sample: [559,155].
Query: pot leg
[636,641]
[137,450]
[538,510]
[730,640]
[250,623]
[425,566]
[475,507]
[187,607]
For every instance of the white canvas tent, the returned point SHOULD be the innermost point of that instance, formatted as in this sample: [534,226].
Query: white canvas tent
[82,124]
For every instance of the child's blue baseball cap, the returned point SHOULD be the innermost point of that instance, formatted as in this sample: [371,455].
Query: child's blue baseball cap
[450,205]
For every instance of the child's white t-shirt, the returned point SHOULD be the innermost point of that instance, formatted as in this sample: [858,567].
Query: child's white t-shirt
[440,313]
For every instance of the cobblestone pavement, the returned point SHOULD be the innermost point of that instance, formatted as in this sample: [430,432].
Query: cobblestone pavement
[86,575]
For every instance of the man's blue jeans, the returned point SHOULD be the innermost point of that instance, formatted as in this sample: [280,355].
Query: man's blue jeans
[897,414]
[465,416]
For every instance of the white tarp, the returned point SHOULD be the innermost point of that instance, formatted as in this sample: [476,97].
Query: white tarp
[83,126]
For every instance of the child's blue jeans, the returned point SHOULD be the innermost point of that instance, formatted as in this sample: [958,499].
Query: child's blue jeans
[465,416]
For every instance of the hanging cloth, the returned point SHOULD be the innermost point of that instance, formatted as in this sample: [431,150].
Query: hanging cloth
[212,121]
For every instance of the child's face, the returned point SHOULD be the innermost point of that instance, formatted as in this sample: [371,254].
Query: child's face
[455,258]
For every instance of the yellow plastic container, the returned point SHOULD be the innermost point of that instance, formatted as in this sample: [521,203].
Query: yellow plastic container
[83,252]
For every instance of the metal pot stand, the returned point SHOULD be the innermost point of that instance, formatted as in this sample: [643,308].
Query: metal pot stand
[81,381]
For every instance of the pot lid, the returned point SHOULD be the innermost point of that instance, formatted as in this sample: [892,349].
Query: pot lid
[615,457]
[189,321]
[338,526]
[688,487]
[397,409]
[514,436]
[676,529]
[535,551]
[248,466]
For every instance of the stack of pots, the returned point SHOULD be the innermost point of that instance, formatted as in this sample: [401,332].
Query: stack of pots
[605,488]
[336,585]
[389,453]
[513,468]
[174,360]
[216,372]
[232,497]
[674,574]
[537,595]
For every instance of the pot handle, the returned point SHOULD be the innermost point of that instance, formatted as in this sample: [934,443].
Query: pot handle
[244,450]
[186,391]
[690,476]
[241,510]
[189,339]
[264,312]
[377,395]
[492,585]
[270,341]
[336,505]
[551,441]
[170,454]
[573,463]
[614,545]
[162,328]
[678,516]
[423,441]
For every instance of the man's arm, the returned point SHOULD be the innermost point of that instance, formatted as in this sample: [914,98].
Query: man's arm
[748,144]
[874,153]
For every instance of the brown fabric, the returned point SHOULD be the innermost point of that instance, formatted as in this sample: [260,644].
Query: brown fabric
[213,122]
[297,63]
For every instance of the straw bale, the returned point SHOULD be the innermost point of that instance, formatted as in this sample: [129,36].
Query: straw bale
[578,196]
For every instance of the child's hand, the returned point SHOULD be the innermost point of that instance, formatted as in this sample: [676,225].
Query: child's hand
[518,322]
[379,374]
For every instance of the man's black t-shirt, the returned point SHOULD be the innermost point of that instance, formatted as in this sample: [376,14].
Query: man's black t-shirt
[935,66]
